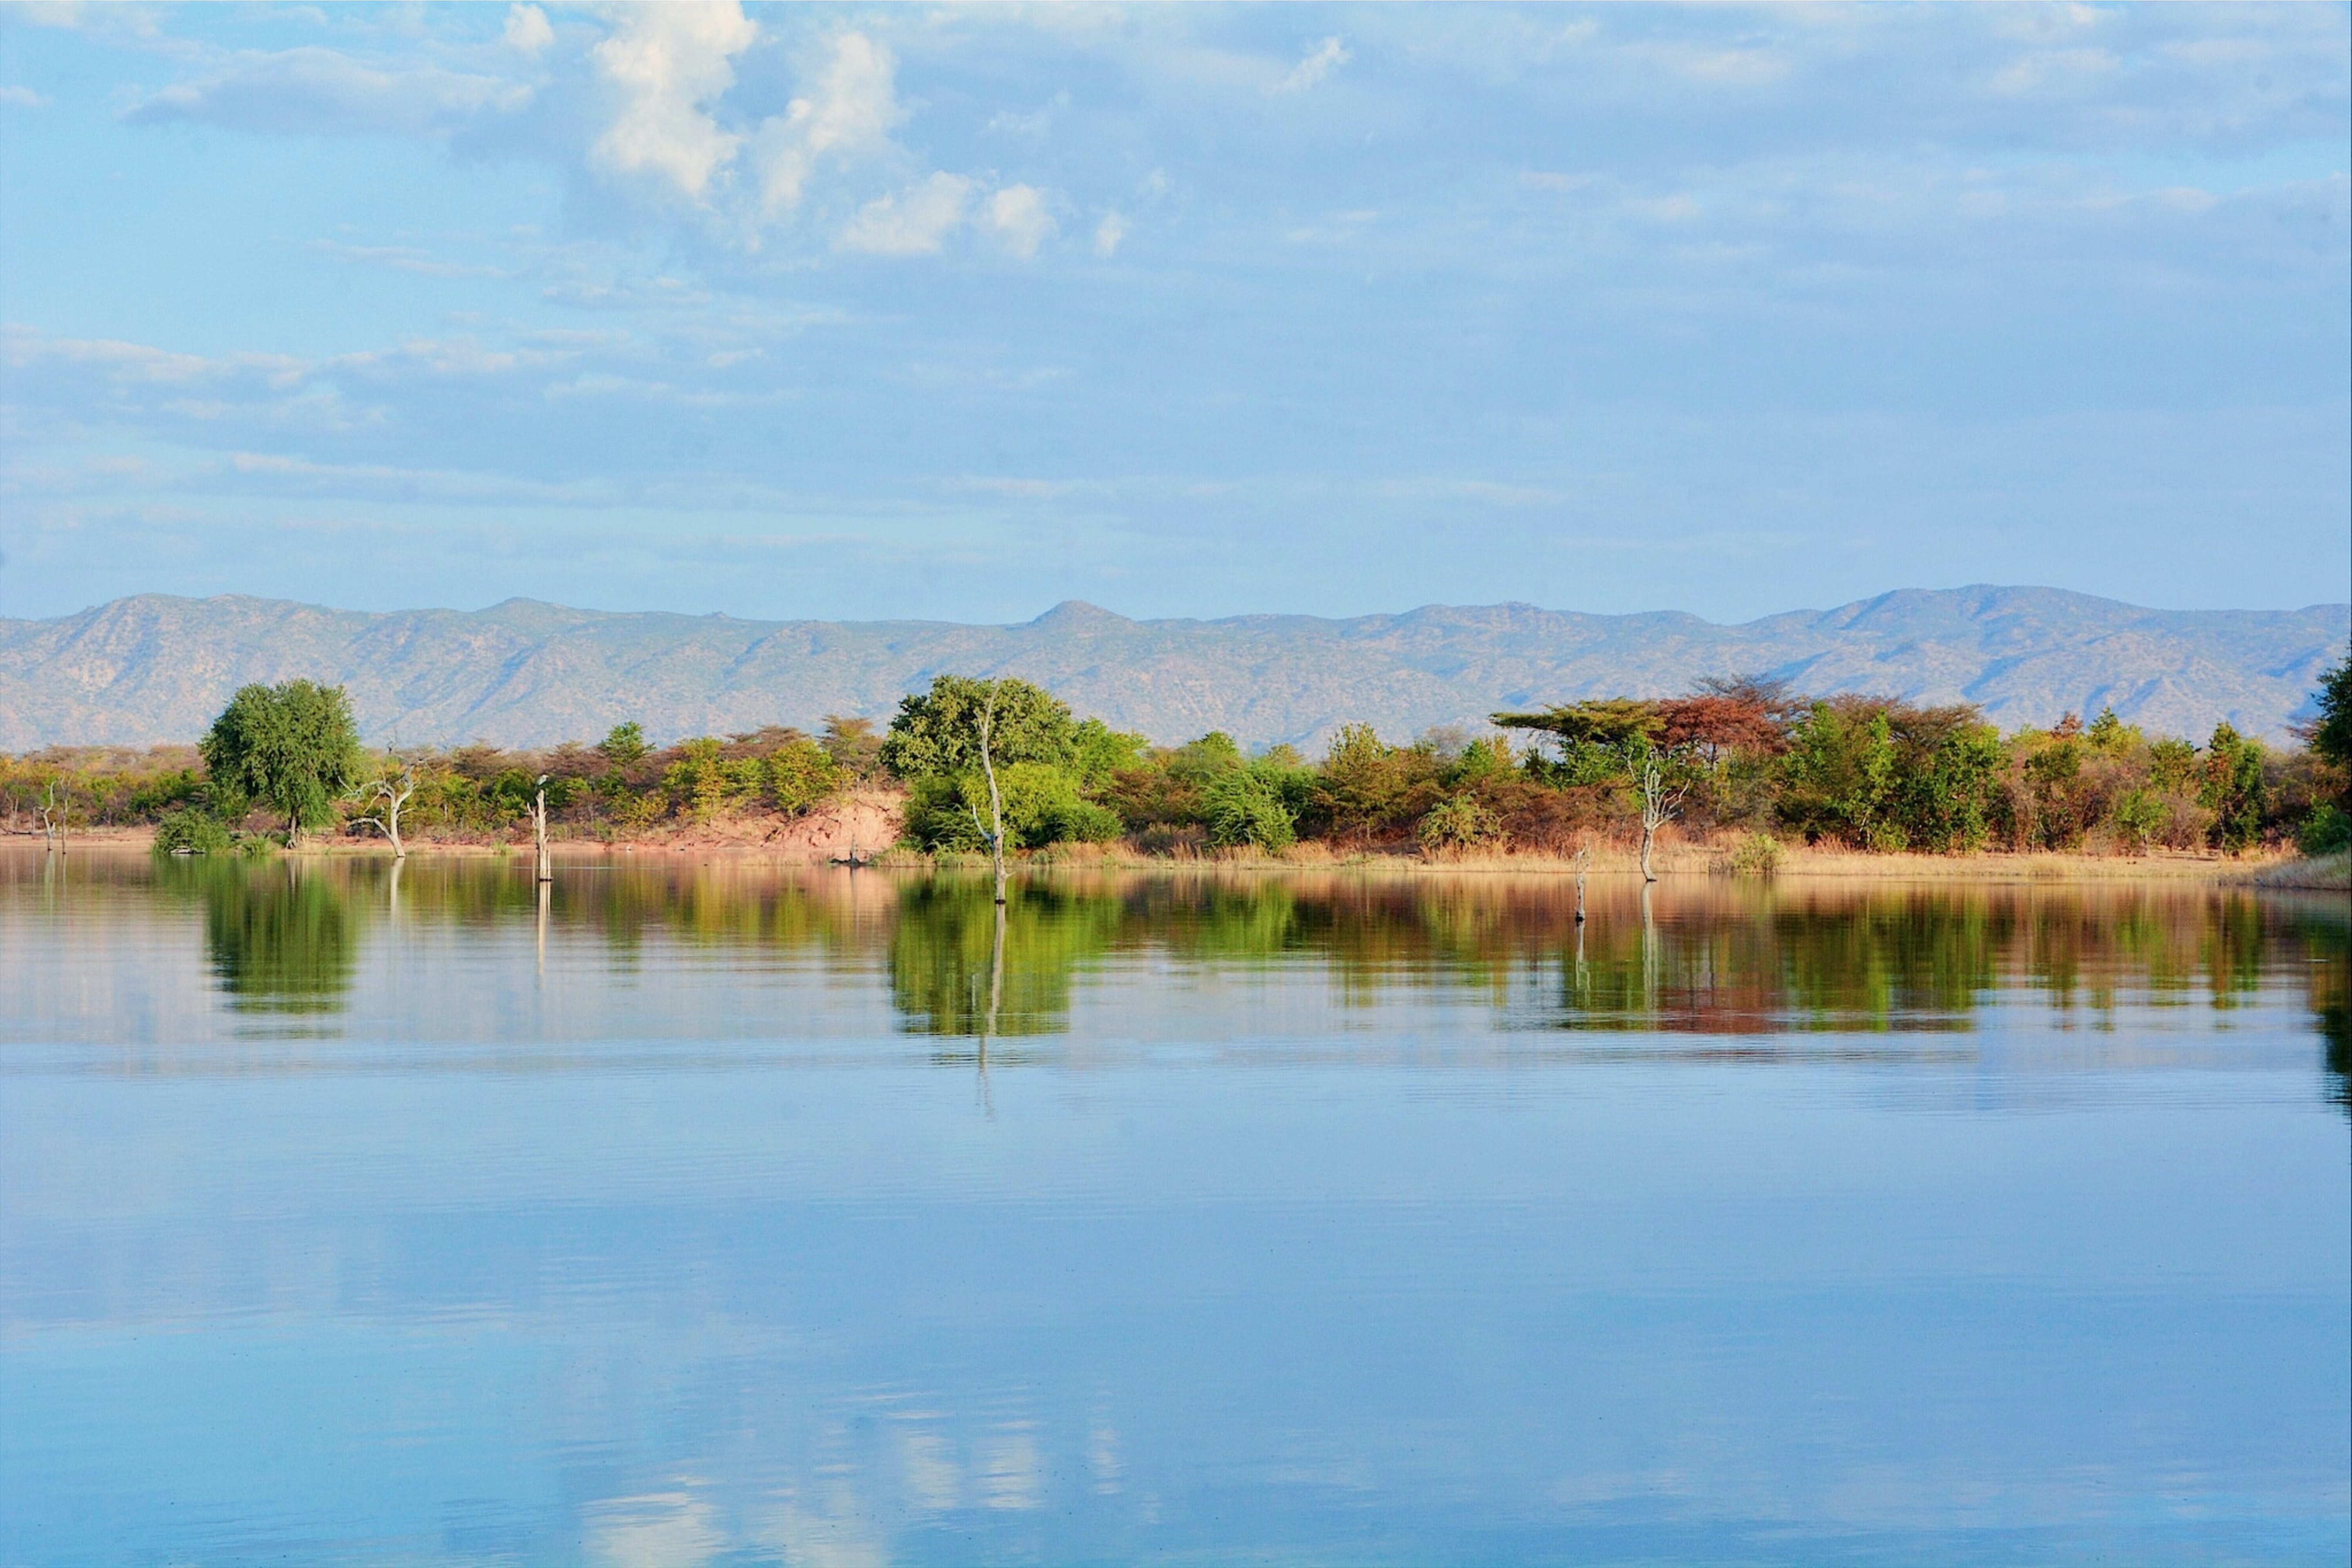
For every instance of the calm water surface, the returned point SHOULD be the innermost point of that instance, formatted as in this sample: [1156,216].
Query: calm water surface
[707,1215]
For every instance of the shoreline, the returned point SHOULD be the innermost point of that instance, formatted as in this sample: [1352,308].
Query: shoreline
[1679,862]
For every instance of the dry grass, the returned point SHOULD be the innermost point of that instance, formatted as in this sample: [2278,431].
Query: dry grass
[829,833]
[2319,874]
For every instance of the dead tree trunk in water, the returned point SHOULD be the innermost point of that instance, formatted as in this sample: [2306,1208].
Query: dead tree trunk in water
[53,819]
[1659,801]
[995,800]
[543,870]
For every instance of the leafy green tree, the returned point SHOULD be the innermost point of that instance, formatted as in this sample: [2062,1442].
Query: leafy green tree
[1949,805]
[2231,788]
[2054,775]
[1838,776]
[937,732]
[1198,763]
[2330,734]
[2111,736]
[1041,804]
[625,745]
[2171,765]
[853,745]
[705,782]
[1595,738]
[1366,786]
[800,775]
[1244,806]
[1486,758]
[1098,753]
[293,747]
[2135,819]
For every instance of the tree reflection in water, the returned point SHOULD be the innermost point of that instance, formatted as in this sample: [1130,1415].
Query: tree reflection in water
[1714,957]
[282,939]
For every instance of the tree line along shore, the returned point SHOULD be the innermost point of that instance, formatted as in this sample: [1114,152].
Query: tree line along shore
[1743,765]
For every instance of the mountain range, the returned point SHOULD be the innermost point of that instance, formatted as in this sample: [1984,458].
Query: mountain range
[156,667]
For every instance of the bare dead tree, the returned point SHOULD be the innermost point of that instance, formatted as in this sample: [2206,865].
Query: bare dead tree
[995,800]
[390,794]
[52,809]
[1662,797]
[543,870]
[1583,855]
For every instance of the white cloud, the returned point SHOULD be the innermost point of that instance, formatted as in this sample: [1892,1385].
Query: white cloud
[320,91]
[1018,217]
[21,98]
[1033,126]
[666,63]
[914,222]
[2047,70]
[527,30]
[1109,233]
[1321,61]
[850,110]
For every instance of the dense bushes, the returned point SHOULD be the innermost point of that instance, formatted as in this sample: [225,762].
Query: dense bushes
[1742,759]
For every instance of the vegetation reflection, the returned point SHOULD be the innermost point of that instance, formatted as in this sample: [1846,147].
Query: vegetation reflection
[278,941]
[1725,956]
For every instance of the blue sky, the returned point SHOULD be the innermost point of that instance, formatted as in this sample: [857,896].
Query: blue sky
[956,312]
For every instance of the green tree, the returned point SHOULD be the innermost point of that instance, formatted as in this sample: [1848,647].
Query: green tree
[2231,789]
[1041,806]
[2110,736]
[937,732]
[1948,807]
[1839,775]
[293,747]
[625,745]
[1596,738]
[2331,730]
[1097,753]
[705,782]
[853,745]
[801,774]
[1244,806]
[1366,786]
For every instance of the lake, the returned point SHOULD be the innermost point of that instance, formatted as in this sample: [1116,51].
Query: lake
[710,1213]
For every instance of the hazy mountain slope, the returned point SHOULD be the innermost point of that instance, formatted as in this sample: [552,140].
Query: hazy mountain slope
[156,667]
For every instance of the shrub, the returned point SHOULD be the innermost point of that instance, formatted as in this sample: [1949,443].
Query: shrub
[2136,819]
[801,776]
[705,784]
[2231,788]
[192,832]
[2325,831]
[1458,821]
[1243,807]
[1041,807]
[1756,854]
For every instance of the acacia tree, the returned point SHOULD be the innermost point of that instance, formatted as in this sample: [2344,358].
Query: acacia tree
[291,746]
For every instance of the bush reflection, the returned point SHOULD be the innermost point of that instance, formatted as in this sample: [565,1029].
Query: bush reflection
[1714,957]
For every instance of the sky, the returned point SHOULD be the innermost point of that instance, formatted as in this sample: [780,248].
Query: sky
[956,312]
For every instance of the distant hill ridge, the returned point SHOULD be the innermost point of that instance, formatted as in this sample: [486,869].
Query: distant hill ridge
[156,667]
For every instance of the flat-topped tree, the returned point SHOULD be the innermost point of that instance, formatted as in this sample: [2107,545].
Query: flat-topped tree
[1628,741]
[292,747]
